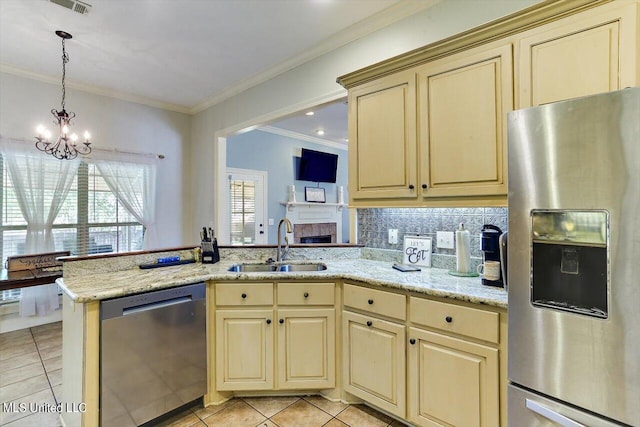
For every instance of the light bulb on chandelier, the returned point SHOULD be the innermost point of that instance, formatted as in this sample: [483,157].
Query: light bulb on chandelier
[66,146]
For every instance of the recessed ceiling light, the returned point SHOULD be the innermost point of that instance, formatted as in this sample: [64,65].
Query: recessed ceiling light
[309,113]
[320,132]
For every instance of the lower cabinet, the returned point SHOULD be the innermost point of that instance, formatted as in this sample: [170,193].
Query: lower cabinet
[452,382]
[374,361]
[262,346]
[244,343]
[306,348]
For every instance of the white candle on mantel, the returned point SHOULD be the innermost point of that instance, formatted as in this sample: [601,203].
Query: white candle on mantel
[340,194]
[292,194]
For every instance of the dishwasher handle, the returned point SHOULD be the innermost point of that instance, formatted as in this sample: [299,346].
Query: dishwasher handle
[155,305]
[136,303]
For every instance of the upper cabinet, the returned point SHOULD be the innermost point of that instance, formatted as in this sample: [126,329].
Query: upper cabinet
[428,128]
[463,100]
[584,54]
[382,133]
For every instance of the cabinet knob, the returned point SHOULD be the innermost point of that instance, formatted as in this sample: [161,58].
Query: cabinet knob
[424,186]
[411,187]
[243,296]
[370,301]
[306,294]
[369,323]
[449,319]
[412,341]
[268,321]
[281,321]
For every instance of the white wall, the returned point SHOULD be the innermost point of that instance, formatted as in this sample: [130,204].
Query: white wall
[314,82]
[114,124]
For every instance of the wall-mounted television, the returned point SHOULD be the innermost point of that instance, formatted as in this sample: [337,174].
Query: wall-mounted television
[317,166]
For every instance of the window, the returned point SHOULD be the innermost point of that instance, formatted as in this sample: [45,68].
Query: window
[91,220]
[247,193]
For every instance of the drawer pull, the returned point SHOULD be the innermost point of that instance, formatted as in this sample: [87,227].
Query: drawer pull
[244,296]
[424,186]
[369,323]
[268,321]
[281,321]
[411,187]
[306,294]
[412,341]
[449,319]
[370,301]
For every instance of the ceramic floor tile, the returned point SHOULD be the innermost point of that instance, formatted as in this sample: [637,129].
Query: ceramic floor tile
[42,397]
[19,361]
[335,423]
[301,414]
[24,388]
[183,419]
[267,423]
[39,419]
[10,351]
[269,406]
[22,336]
[237,414]
[55,377]
[363,416]
[10,376]
[213,409]
[51,352]
[47,326]
[52,364]
[333,408]
[49,342]
[48,334]
[57,393]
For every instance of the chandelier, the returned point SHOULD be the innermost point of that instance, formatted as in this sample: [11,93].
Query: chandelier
[66,146]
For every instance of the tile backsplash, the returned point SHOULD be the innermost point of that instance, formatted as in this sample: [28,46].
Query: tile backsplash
[373,226]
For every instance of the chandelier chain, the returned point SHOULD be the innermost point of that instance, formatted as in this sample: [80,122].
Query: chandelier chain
[65,59]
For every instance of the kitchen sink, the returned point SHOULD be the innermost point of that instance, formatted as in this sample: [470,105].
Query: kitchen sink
[260,268]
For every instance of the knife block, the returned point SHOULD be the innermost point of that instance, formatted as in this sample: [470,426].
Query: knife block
[210,252]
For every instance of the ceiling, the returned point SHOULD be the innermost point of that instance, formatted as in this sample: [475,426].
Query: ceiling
[182,55]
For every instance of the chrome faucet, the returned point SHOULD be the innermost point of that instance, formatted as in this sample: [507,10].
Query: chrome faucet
[282,254]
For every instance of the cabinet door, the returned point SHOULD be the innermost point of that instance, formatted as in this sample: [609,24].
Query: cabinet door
[382,138]
[592,52]
[374,361]
[306,348]
[452,382]
[463,104]
[244,349]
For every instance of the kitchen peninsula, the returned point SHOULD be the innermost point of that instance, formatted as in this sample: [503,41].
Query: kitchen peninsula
[400,327]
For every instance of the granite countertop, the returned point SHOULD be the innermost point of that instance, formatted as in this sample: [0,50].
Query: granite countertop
[429,281]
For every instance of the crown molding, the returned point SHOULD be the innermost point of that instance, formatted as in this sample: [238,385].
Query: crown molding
[517,22]
[302,137]
[384,18]
[96,90]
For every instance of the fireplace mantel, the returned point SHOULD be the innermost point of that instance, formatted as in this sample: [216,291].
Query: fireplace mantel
[315,213]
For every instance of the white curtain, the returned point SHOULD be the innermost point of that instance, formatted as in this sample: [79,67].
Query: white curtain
[41,185]
[134,185]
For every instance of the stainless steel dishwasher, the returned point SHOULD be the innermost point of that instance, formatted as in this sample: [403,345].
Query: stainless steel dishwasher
[152,354]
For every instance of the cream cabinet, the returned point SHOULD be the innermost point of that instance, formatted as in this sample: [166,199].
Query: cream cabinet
[284,342]
[453,368]
[374,362]
[463,100]
[382,139]
[592,52]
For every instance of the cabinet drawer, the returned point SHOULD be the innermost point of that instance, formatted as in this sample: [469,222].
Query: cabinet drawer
[480,324]
[306,293]
[245,294]
[374,301]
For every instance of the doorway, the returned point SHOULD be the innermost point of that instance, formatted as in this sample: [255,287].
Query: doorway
[246,207]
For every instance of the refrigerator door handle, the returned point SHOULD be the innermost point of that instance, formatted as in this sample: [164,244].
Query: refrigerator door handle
[551,415]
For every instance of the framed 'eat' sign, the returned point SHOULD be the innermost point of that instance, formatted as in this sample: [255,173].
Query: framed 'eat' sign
[417,251]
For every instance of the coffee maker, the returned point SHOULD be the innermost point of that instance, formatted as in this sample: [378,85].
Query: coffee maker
[491,251]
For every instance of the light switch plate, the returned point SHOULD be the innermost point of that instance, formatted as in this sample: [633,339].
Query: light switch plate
[393,236]
[444,239]
[271,222]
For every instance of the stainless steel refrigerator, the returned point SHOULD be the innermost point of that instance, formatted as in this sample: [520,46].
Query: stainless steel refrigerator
[574,262]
